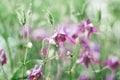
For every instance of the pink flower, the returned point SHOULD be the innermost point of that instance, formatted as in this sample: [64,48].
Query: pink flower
[26,31]
[86,57]
[39,34]
[110,77]
[60,36]
[112,63]
[88,27]
[3,58]
[36,73]
[83,77]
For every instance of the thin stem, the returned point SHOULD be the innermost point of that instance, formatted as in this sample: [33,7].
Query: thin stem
[93,70]
[5,75]
[9,55]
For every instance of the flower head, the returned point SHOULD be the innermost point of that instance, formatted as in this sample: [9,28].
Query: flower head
[3,58]
[87,27]
[86,57]
[25,31]
[60,36]
[112,63]
[36,73]
[110,77]
[83,77]
[40,34]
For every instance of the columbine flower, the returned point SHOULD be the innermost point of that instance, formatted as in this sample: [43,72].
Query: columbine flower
[40,34]
[26,31]
[85,44]
[87,27]
[110,77]
[112,63]
[60,36]
[3,58]
[86,57]
[83,77]
[36,73]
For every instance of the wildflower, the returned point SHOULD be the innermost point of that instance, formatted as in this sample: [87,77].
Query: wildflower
[110,77]
[83,77]
[87,27]
[40,34]
[36,73]
[3,58]
[60,36]
[26,31]
[86,57]
[112,63]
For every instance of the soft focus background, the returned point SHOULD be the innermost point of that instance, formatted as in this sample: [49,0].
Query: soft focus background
[104,14]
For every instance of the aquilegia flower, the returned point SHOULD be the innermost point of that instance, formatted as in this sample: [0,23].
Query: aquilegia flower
[39,34]
[36,73]
[26,31]
[83,77]
[60,36]
[87,27]
[110,77]
[112,63]
[3,58]
[86,57]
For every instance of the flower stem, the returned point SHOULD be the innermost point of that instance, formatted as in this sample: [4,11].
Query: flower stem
[9,55]
[93,70]
[5,75]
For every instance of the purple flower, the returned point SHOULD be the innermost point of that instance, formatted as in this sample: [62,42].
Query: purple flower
[85,44]
[88,27]
[60,36]
[110,77]
[3,58]
[86,57]
[26,31]
[83,77]
[39,34]
[95,49]
[36,73]
[112,63]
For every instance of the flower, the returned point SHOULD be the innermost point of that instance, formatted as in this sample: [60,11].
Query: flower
[110,77]
[26,31]
[36,73]
[83,77]
[112,63]
[3,58]
[40,34]
[86,57]
[60,36]
[87,27]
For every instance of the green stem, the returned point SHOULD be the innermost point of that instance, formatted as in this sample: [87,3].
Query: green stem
[5,75]
[93,69]
[9,55]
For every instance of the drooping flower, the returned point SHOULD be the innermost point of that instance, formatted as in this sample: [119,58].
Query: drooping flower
[36,73]
[83,77]
[26,31]
[60,36]
[86,57]
[112,63]
[40,34]
[85,44]
[95,49]
[110,77]
[3,58]
[87,27]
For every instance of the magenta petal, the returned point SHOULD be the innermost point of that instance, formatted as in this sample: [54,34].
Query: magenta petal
[70,40]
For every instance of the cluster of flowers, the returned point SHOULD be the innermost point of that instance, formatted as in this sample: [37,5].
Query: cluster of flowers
[72,34]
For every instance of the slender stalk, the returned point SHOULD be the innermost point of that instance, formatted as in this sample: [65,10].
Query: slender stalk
[93,70]
[5,75]
[9,55]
